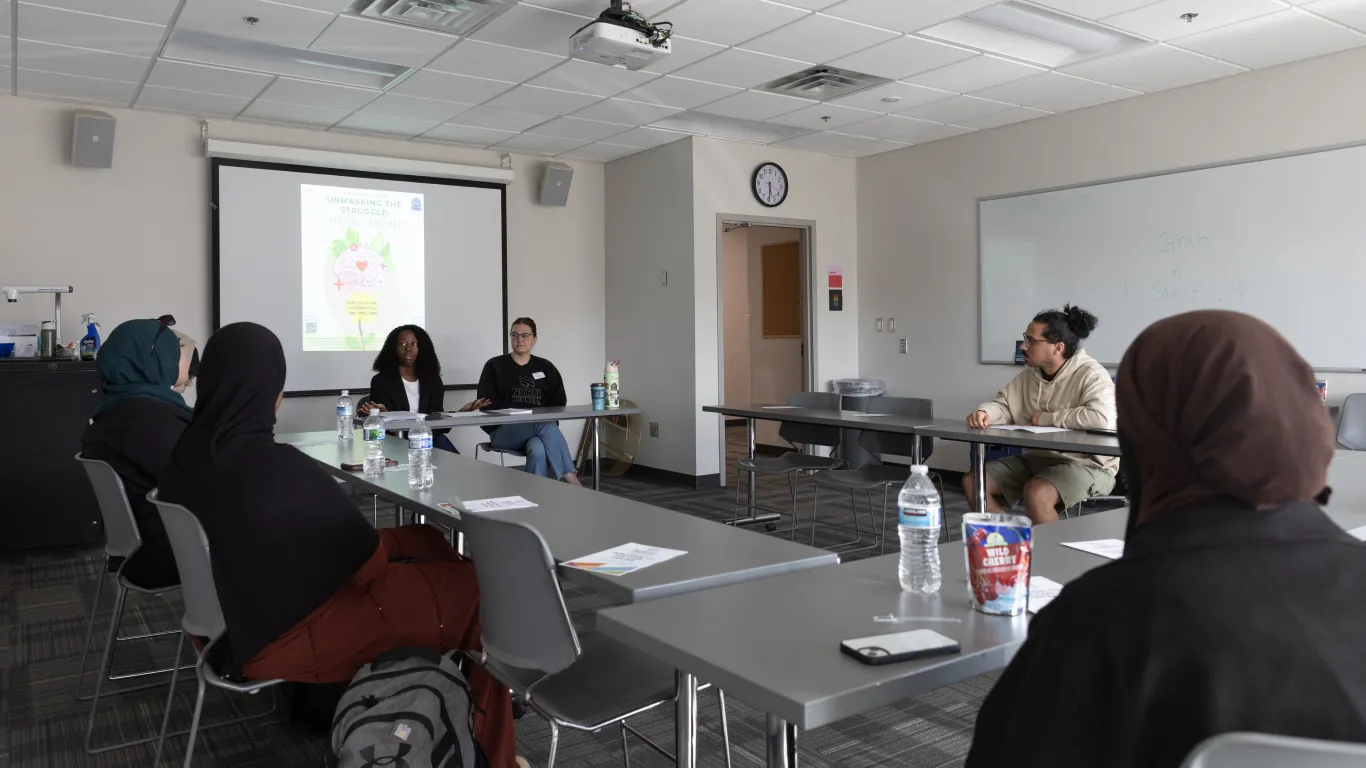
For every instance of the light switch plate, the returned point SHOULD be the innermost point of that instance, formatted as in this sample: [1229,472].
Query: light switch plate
[879,325]
[903,346]
[891,325]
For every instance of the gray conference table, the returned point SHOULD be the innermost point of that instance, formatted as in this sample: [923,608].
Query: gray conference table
[449,419]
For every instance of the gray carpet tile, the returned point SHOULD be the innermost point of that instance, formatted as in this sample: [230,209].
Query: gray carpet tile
[45,599]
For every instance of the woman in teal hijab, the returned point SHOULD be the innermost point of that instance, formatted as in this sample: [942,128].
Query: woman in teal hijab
[143,365]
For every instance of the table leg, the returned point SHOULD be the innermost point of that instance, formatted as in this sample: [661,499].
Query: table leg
[685,720]
[917,449]
[597,455]
[750,439]
[981,478]
[782,743]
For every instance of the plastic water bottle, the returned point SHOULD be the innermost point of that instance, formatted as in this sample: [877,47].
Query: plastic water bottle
[345,412]
[373,433]
[920,516]
[420,473]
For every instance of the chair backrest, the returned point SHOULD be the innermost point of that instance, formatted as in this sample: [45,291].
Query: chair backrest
[810,434]
[203,613]
[1352,422]
[521,608]
[121,536]
[1263,750]
[879,443]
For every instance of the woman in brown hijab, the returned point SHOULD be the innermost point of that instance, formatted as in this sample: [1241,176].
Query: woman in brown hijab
[1236,605]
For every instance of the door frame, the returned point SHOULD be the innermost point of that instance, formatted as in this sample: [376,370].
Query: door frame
[807,237]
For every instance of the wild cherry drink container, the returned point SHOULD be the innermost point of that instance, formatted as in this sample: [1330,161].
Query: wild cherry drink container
[998,549]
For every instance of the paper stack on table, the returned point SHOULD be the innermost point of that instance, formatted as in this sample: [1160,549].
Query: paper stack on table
[1041,592]
[624,559]
[389,416]
[507,412]
[1109,548]
[1360,533]
[1030,429]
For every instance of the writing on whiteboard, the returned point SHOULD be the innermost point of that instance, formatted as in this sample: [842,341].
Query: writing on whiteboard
[1170,243]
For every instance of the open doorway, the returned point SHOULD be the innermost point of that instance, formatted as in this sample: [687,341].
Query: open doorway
[766,323]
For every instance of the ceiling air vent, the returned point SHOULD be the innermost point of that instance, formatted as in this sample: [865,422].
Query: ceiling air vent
[457,17]
[822,83]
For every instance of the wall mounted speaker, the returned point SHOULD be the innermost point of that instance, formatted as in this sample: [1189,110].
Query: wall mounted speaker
[555,184]
[92,139]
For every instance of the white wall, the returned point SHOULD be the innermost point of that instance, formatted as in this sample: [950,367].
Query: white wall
[917,208]
[736,315]
[775,364]
[134,240]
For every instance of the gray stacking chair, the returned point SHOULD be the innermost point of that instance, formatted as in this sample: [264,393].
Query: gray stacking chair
[793,463]
[203,618]
[1352,422]
[503,453]
[1264,750]
[122,540]
[879,476]
[584,683]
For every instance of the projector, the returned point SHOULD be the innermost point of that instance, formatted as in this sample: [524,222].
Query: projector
[620,37]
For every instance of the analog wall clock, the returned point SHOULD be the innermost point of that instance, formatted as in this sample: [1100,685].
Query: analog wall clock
[770,184]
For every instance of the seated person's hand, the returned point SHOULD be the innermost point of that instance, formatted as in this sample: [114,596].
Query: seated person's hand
[979,420]
[475,405]
[369,405]
[1037,415]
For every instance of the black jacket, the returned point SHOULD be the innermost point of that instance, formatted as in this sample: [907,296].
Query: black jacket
[1216,619]
[388,391]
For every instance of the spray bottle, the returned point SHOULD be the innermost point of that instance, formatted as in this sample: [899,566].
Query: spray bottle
[90,343]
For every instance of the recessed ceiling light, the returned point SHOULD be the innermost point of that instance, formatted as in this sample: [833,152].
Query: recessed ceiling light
[206,48]
[1030,33]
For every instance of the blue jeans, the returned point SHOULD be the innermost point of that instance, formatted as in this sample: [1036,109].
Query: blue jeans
[547,452]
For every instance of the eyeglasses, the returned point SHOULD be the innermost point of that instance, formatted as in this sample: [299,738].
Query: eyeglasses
[520,336]
[1029,341]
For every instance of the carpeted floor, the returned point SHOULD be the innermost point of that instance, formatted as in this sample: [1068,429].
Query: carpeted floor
[45,600]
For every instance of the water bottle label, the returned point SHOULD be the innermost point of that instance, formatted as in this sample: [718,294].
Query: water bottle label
[343,410]
[374,433]
[419,442]
[921,517]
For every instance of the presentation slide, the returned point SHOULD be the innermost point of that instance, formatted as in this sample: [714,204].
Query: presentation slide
[333,261]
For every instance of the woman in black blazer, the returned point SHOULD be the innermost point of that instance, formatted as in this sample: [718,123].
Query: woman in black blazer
[408,378]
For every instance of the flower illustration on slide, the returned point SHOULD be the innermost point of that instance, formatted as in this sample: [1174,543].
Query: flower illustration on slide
[356,266]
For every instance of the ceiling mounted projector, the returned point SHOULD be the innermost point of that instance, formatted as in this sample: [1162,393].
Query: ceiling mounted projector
[620,37]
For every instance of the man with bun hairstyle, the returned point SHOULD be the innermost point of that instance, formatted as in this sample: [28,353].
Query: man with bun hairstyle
[1063,387]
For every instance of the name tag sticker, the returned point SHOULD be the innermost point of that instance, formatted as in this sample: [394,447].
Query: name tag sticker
[538,375]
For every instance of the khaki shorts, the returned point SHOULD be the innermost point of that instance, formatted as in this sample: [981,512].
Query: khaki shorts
[1075,481]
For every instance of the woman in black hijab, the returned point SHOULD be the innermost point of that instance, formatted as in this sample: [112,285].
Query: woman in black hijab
[310,592]
[1236,605]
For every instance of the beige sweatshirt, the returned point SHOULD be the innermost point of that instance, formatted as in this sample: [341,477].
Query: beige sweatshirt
[1081,396]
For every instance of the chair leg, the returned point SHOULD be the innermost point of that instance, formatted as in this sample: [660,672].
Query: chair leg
[194,721]
[792,490]
[554,744]
[725,723]
[815,502]
[90,627]
[735,508]
[170,700]
[625,749]
[882,544]
[374,512]
[121,596]
[853,505]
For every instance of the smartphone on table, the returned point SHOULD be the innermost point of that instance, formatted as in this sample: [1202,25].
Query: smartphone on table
[900,646]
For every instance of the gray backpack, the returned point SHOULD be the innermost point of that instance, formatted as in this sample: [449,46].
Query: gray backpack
[409,708]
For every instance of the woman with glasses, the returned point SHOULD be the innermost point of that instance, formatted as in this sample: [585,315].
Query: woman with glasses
[522,380]
[408,378]
[144,365]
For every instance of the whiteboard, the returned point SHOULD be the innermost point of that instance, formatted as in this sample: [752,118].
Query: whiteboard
[1282,238]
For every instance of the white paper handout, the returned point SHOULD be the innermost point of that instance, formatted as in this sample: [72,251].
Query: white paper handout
[507,411]
[780,407]
[494,505]
[1111,548]
[1041,592]
[1031,429]
[1360,533]
[624,559]
[391,416]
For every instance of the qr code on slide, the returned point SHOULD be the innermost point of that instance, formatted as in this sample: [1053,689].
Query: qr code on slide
[310,327]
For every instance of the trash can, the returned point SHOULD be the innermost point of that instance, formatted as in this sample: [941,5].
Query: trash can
[854,395]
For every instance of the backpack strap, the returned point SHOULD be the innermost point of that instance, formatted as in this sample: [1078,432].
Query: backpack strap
[395,655]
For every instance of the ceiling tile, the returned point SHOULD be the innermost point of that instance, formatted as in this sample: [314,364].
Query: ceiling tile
[754,105]
[539,145]
[903,56]
[544,101]
[685,51]
[72,87]
[1093,9]
[150,11]
[574,128]
[205,79]
[819,38]
[1056,92]
[601,153]
[894,128]
[974,74]
[306,93]
[4,55]
[4,74]
[412,108]
[1162,20]
[728,22]
[905,15]
[81,61]
[1349,12]
[537,29]
[591,8]
[495,62]
[275,112]
[1007,116]
[467,134]
[190,102]
[815,117]
[823,141]
[447,87]
[84,30]
[901,96]
[286,25]
[383,124]
[382,41]
[648,138]
[741,69]
[812,5]
[587,77]
[1273,39]
[626,112]
[671,91]
[954,110]
[501,119]
[873,147]
[5,12]
[1154,67]
[331,6]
